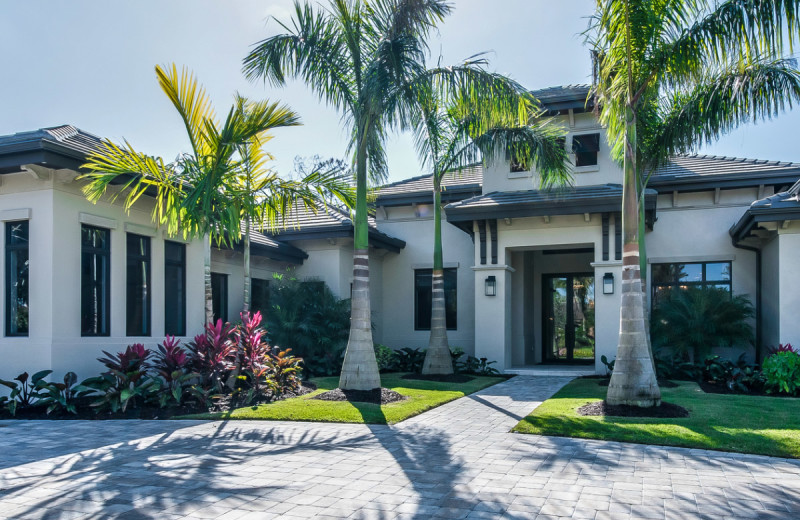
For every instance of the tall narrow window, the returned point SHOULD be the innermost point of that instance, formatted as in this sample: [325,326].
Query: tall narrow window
[219,296]
[174,289]
[259,296]
[137,295]
[95,283]
[17,278]
[423,298]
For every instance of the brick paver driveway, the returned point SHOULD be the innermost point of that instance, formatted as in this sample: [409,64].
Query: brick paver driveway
[457,461]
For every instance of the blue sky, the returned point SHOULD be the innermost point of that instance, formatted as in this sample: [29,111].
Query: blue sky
[90,63]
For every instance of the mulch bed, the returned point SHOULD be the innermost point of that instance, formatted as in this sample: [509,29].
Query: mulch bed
[600,408]
[374,396]
[450,378]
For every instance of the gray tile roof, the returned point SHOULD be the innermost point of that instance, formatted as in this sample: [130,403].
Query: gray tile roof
[709,171]
[457,185]
[564,97]
[62,146]
[328,222]
[779,207]
[565,201]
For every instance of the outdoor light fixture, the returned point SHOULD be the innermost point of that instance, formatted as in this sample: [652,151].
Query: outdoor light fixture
[608,283]
[491,286]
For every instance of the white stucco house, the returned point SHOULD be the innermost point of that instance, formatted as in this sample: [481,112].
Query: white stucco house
[532,276]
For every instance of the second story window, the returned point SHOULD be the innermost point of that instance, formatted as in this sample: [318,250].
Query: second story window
[17,278]
[585,148]
[95,281]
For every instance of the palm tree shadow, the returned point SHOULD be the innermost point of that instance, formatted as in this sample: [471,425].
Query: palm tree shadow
[437,477]
[179,471]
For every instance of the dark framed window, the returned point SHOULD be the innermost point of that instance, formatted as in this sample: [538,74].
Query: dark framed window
[423,298]
[219,296]
[95,280]
[677,276]
[585,148]
[137,294]
[516,165]
[259,296]
[174,288]
[17,278]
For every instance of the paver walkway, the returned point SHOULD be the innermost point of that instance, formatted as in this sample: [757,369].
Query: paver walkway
[457,461]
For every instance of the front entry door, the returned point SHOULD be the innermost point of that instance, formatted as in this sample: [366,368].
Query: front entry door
[568,321]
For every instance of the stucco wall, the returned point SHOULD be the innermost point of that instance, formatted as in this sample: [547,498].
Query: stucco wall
[396,325]
[498,177]
[789,276]
[57,206]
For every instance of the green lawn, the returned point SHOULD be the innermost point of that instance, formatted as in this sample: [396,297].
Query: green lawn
[423,395]
[740,423]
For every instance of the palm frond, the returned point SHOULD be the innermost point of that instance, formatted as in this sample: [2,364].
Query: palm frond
[741,93]
[191,102]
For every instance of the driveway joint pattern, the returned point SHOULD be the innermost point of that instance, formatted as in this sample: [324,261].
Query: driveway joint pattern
[456,461]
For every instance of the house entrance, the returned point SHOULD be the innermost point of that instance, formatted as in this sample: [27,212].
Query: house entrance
[568,319]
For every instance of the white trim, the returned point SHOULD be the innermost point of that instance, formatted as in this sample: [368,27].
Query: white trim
[691,259]
[495,267]
[15,214]
[612,263]
[447,265]
[178,237]
[94,220]
[139,229]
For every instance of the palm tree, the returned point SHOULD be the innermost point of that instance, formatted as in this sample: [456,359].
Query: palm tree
[264,199]
[357,56]
[670,76]
[460,116]
[195,194]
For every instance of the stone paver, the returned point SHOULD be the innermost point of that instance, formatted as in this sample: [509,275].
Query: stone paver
[457,461]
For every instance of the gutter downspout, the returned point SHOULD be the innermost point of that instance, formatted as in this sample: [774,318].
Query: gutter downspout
[757,251]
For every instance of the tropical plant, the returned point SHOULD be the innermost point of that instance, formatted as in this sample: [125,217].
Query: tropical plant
[608,364]
[251,354]
[477,367]
[692,321]
[171,363]
[386,358]
[459,115]
[410,359]
[23,390]
[124,383]
[308,318]
[782,373]
[357,56]
[58,397]
[284,371]
[737,376]
[198,194]
[783,348]
[670,76]
[211,355]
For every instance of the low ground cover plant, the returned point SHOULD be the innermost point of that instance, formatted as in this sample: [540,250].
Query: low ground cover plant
[225,367]
[411,360]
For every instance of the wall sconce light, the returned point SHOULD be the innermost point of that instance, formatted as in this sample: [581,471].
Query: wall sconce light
[608,283]
[491,286]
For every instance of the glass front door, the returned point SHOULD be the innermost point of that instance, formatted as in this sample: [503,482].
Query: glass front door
[568,323]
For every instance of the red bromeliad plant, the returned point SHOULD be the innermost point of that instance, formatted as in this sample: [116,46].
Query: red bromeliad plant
[125,381]
[783,348]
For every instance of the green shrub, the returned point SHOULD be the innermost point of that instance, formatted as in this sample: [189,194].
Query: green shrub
[410,360]
[782,372]
[386,358]
[309,319]
[694,320]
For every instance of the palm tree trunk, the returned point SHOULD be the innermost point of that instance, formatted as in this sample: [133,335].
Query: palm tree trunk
[247,281]
[207,277]
[438,359]
[360,369]
[633,381]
